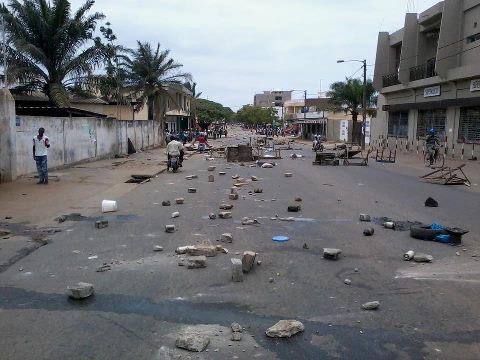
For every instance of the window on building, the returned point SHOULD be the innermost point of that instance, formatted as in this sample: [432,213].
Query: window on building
[428,119]
[398,124]
[473,38]
[278,98]
[469,129]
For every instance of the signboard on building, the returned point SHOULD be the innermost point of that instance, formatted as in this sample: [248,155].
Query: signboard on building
[475,85]
[432,91]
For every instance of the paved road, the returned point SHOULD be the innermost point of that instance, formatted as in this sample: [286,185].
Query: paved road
[427,311]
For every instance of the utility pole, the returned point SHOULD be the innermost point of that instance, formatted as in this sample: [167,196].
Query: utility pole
[305,106]
[364,124]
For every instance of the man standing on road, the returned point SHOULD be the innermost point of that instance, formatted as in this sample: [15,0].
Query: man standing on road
[40,152]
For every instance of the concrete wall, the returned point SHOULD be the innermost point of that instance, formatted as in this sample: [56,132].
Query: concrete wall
[7,138]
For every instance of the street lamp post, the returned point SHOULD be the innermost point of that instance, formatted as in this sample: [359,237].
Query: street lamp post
[364,102]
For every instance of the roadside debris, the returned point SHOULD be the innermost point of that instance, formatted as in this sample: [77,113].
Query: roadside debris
[280,239]
[166,203]
[389,225]
[288,175]
[430,202]
[372,305]
[347,282]
[235,177]
[211,178]
[157,248]
[221,249]
[233,197]
[175,214]
[192,342]
[248,260]
[170,228]
[236,332]
[104,267]
[180,201]
[305,246]
[80,291]
[285,329]
[267,166]
[226,207]
[254,178]
[227,238]
[423,258]
[109,206]
[409,255]
[258,191]
[222,173]
[197,262]
[365,218]
[101,224]
[225,215]
[369,232]
[237,271]
[331,254]
[294,208]
[212,216]
[4,232]
[438,233]
[298,199]
[192,190]
[212,168]
[249,221]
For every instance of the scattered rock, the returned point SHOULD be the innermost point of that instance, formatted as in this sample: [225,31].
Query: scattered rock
[192,342]
[8,217]
[222,173]
[271,280]
[170,228]
[233,197]
[225,215]
[236,336]
[431,202]
[166,203]
[180,201]
[259,262]
[181,250]
[248,260]
[101,224]
[298,199]
[372,305]
[235,177]
[409,255]
[192,190]
[267,166]
[227,238]
[258,191]
[347,282]
[211,178]
[80,291]
[369,232]
[422,258]
[305,246]
[204,249]
[389,225]
[236,327]
[212,168]
[196,262]
[212,216]
[61,219]
[288,175]
[285,328]
[104,267]
[158,248]
[175,214]
[332,254]
[365,218]
[248,221]
[254,178]
[237,272]
[191,177]
[294,208]
[226,207]
[221,249]
[4,232]
[233,190]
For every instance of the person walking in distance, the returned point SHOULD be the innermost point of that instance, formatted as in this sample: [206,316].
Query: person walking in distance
[40,152]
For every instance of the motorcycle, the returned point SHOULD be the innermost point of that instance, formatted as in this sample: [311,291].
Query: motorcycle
[174,163]
[317,146]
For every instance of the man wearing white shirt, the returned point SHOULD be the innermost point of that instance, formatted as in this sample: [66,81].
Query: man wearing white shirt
[40,153]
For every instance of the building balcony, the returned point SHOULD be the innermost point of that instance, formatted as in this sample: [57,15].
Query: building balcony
[423,71]
[390,80]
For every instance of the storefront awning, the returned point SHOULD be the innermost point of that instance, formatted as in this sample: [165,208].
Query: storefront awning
[430,105]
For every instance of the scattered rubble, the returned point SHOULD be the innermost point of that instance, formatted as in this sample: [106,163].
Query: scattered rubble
[166,203]
[248,260]
[80,291]
[258,191]
[235,177]
[170,228]
[225,215]
[288,175]
[175,214]
[204,249]
[191,177]
[221,249]
[233,197]
[212,168]
[409,255]
[305,246]
[365,218]
[192,342]
[4,232]
[267,166]
[196,262]
[369,232]
[211,178]
[294,208]
[372,305]
[332,254]
[227,238]
[222,173]
[109,206]
[249,221]
[431,202]
[422,258]
[389,225]
[180,201]
[192,190]
[285,329]
[158,248]
[212,216]
[226,207]
[254,178]
[236,332]
[237,272]
[347,282]
[101,224]
[298,199]
[104,267]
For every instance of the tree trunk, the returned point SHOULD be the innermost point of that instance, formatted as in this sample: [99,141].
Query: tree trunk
[355,127]
[159,115]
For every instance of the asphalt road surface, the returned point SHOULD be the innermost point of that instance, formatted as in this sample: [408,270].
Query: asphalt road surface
[427,311]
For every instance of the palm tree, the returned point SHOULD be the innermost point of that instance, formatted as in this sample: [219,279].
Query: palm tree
[49,48]
[149,74]
[348,96]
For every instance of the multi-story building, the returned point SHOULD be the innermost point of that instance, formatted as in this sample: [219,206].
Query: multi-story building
[178,107]
[272,98]
[428,76]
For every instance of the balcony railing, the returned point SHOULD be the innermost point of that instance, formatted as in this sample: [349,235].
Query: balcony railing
[390,80]
[423,71]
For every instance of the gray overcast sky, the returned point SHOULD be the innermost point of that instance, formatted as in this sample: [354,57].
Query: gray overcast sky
[237,48]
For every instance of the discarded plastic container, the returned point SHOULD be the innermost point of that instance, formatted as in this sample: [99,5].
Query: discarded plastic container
[280,239]
[109,206]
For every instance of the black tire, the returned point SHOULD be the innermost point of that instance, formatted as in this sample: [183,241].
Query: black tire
[422,233]
[175,168]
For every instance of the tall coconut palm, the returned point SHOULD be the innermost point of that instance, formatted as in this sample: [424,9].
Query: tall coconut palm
[192,87]
[149,73]
[51,49]
[348,96]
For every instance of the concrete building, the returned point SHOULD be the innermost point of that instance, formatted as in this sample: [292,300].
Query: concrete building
[178,108]
[272,98]
[428,76]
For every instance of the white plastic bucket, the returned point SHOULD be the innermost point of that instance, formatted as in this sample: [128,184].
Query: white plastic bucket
[109,206]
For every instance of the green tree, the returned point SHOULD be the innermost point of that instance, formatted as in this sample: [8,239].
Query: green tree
[348,96]
[149,73]
[49,48]
[209,111]
[256,115]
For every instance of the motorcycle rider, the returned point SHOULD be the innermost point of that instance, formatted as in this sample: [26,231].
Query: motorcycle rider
[433,144]
[176,148]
